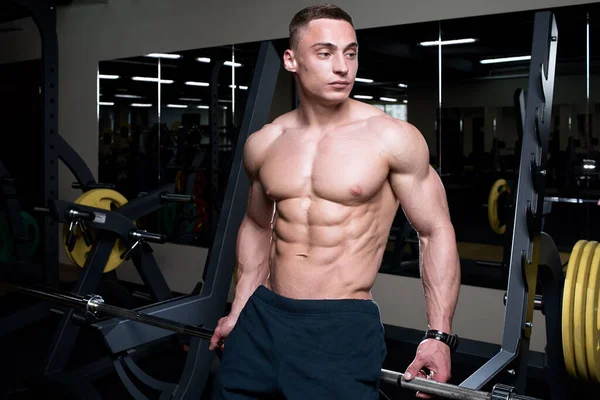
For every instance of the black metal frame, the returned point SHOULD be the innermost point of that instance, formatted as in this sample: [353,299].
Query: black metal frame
[529,201]
[44,15]
[111,225]
[207,306]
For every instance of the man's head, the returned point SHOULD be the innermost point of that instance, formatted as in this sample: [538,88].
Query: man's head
[323,52]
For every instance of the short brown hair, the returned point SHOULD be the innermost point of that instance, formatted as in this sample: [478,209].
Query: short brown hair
[310,13]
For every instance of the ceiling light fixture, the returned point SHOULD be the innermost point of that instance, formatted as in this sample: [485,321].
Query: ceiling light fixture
[447,42]
[149,79]
[163,55]
[505,59]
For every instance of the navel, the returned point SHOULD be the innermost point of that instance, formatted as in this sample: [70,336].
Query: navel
[356,190]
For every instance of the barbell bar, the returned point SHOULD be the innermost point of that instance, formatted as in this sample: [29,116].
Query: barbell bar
[93,305]
[449,391]
[571,200]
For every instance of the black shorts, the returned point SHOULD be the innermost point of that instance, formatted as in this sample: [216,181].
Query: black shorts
[302,349]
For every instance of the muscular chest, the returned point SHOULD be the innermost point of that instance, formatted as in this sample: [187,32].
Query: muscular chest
[342,167]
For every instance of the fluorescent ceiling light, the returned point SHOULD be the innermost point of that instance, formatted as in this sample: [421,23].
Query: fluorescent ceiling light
[203,59]
[360,96]
[405,101]
[128,96]
[203,107]
[148,79]
[231,63]
[447,42]
[140,105]
[106,103]
[104,76]
[402,85]
[176,106]
[505,59]
[244,87]
[363,80]
[238,87]
[163,55]
[189,99]
[192,83]
[387,99]
[224,107]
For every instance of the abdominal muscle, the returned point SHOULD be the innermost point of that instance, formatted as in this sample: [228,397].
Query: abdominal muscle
[324,250]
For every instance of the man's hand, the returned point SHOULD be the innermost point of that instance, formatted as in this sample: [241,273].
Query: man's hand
[224,328]
[435,357]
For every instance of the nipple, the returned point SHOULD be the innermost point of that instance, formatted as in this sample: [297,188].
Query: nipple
[356,190]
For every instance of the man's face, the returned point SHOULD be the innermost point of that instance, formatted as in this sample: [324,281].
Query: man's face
[325,60]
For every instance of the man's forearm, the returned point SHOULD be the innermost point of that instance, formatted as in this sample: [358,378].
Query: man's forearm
[253,262]
[440,273]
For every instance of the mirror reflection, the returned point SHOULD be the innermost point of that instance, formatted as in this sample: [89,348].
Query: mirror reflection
[174,117]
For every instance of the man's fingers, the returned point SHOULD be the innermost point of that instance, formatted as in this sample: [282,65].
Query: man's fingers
[214,341]
[413,369]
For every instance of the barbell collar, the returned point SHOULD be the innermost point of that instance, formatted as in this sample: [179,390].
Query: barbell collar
[74,214]
[140,234]
[177,198]
[538,301]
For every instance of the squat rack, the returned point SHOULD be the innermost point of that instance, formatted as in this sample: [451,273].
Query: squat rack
[530,246]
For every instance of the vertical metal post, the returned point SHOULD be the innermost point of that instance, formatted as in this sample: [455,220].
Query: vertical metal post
[44,16]
[219,268]
[214,147]
[527,223]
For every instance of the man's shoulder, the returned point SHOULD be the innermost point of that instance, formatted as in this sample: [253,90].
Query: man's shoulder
[377,120]
[264,136]
[400,139]
[392,130]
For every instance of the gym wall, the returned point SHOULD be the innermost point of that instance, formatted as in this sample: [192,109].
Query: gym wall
[89,33]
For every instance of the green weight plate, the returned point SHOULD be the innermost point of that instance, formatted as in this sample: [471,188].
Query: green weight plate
[32,231]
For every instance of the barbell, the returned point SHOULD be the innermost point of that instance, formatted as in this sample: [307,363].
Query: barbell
[93,307]
[500,203]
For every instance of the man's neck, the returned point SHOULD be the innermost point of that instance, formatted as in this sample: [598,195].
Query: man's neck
[321,117]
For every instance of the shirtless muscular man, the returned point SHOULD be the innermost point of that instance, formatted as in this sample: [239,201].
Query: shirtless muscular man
[326,182]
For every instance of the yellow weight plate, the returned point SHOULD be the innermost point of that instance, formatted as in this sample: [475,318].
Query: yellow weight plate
[567,307]
[583,275]
[592,319]
[99,198]
[499,187]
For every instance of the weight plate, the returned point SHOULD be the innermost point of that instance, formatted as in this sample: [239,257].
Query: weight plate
[567,307]
[499,187]
[99,198]
[592,319]
[583,274]
[32,231]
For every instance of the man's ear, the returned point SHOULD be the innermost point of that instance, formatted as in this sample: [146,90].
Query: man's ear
[289,60]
